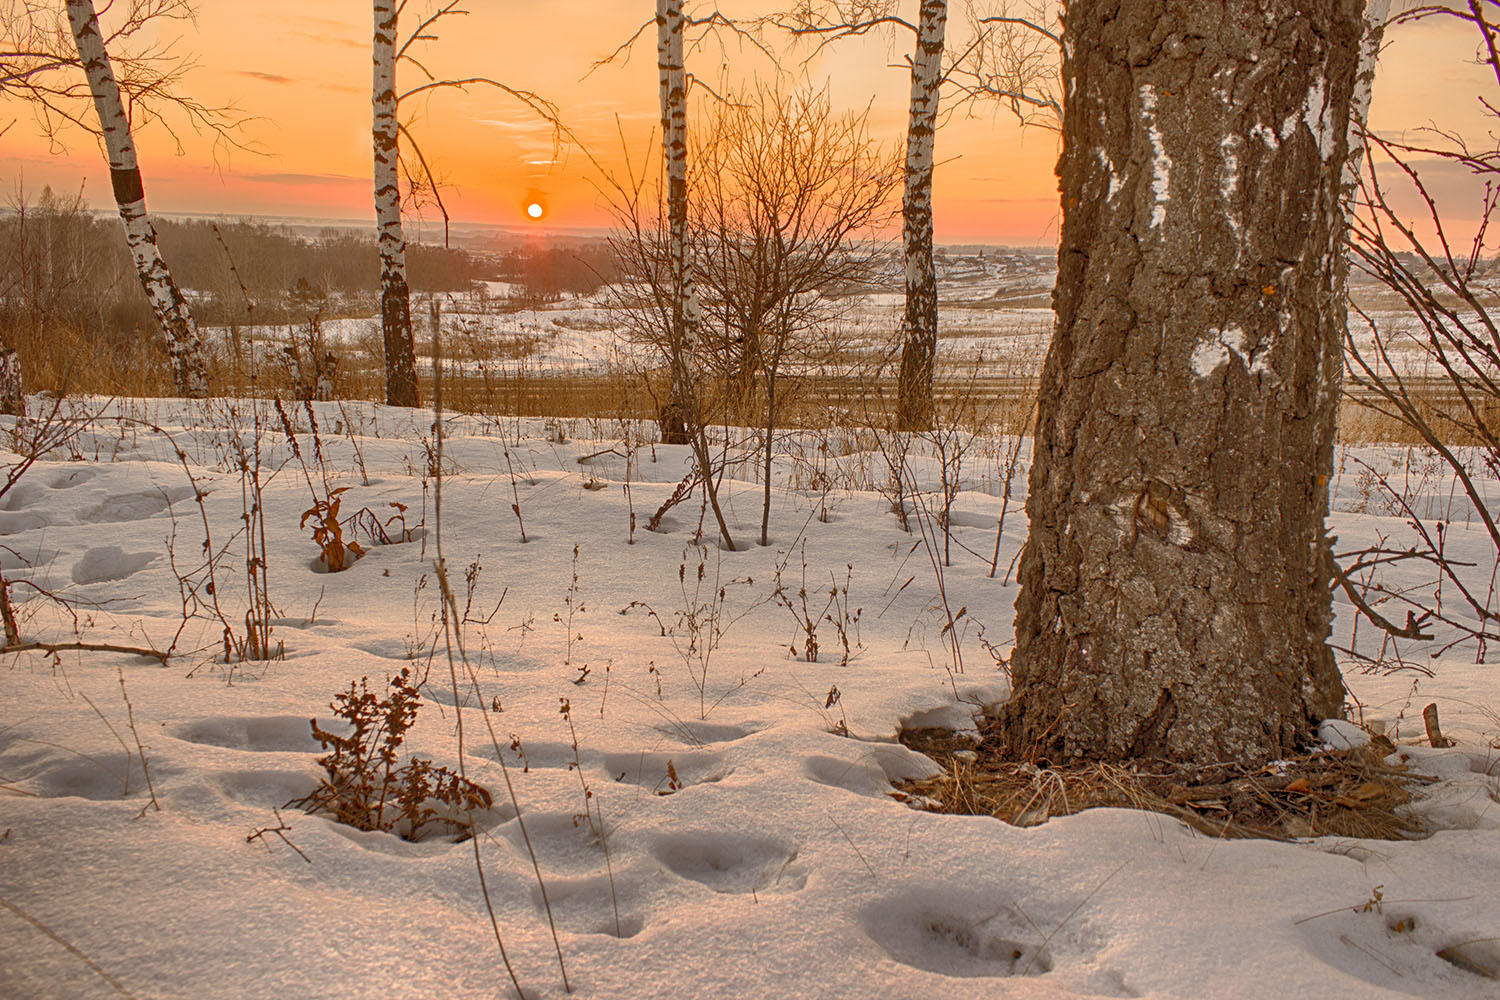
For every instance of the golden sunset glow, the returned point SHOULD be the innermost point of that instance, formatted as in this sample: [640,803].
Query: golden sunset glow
[534,210]
[302,81]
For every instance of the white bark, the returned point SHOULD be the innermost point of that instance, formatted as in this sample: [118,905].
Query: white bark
[12,402]
[673,84]
[1376,12]
[919,332]
[395,295]
[686,314]
[184,344]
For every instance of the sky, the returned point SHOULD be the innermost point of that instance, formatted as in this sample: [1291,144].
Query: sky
[302,82]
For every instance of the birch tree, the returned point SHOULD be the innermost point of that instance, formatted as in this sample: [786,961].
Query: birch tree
[829,21]
[686,312]
[184,344]
[388,132]
[395,295]
[992,69]
[919,322]
[1175,594]
[672,83]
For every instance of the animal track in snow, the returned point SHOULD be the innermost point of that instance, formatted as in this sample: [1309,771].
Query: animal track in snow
[853,776]
[21,496]
[952,941]
[258,733]
[731,863]
[65,478]
[109,562]
[563,842]
[132,506]
[587,906]
[649,770]
[81,778]
[533,756]
[703,733]
[1371,945]
[265,787]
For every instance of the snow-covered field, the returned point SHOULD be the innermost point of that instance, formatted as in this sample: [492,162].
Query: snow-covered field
[723,827]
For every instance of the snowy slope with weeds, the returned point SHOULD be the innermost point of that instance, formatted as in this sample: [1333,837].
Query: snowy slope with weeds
[697,810]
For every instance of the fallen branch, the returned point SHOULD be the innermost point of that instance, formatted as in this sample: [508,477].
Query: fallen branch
[91,647]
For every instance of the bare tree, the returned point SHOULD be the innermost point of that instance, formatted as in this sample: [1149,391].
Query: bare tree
[184,344]
[995,63]
[1436,370]
[39,66]
[392,51]
[785,207]
[1175,584]
[1013,58]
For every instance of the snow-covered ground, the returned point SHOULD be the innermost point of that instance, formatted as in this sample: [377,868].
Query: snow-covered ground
[774,865]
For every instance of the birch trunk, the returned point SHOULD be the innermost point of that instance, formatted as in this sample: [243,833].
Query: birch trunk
[1175,584]
[12,400]
[673,82]
[919,326]
[184,344]
[683,406]
[395,296]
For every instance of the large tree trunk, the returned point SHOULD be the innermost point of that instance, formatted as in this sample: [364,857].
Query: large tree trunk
[1175,600]
[919,326]
[184,345]
[395,296]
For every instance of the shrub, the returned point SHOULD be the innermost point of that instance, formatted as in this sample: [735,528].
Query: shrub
[368,788]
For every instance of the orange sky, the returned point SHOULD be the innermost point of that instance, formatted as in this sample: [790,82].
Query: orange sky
[304,81]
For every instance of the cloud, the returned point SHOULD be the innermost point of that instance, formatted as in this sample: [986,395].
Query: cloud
[265,77]
[301,180]
[323,39]
[1456,189]
[534,126]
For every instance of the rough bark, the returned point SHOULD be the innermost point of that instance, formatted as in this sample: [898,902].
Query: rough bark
[919,325]
[1175,600]
[395,296]
[184,344]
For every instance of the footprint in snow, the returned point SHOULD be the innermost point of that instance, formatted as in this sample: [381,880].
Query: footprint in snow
[257,733]
[853,776]
[730,863]
[955,941]
[590,905]
[263,787]
[973,935]
[703,733]
[132,506]
[109,562]
[63,479]
[1373,944]
[665,773]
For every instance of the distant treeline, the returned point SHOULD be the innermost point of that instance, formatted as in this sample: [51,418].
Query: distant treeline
[546,273]
[62,264]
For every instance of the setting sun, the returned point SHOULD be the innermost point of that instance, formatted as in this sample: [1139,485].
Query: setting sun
[534,210]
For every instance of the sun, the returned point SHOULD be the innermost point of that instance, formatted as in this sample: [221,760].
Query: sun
[534,210]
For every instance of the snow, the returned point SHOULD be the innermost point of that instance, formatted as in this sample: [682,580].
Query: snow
[1161,163]
[779,866]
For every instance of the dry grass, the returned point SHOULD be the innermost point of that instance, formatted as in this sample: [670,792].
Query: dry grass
[1325,793]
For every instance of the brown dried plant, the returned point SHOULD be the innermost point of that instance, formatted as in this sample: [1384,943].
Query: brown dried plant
[368,787]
